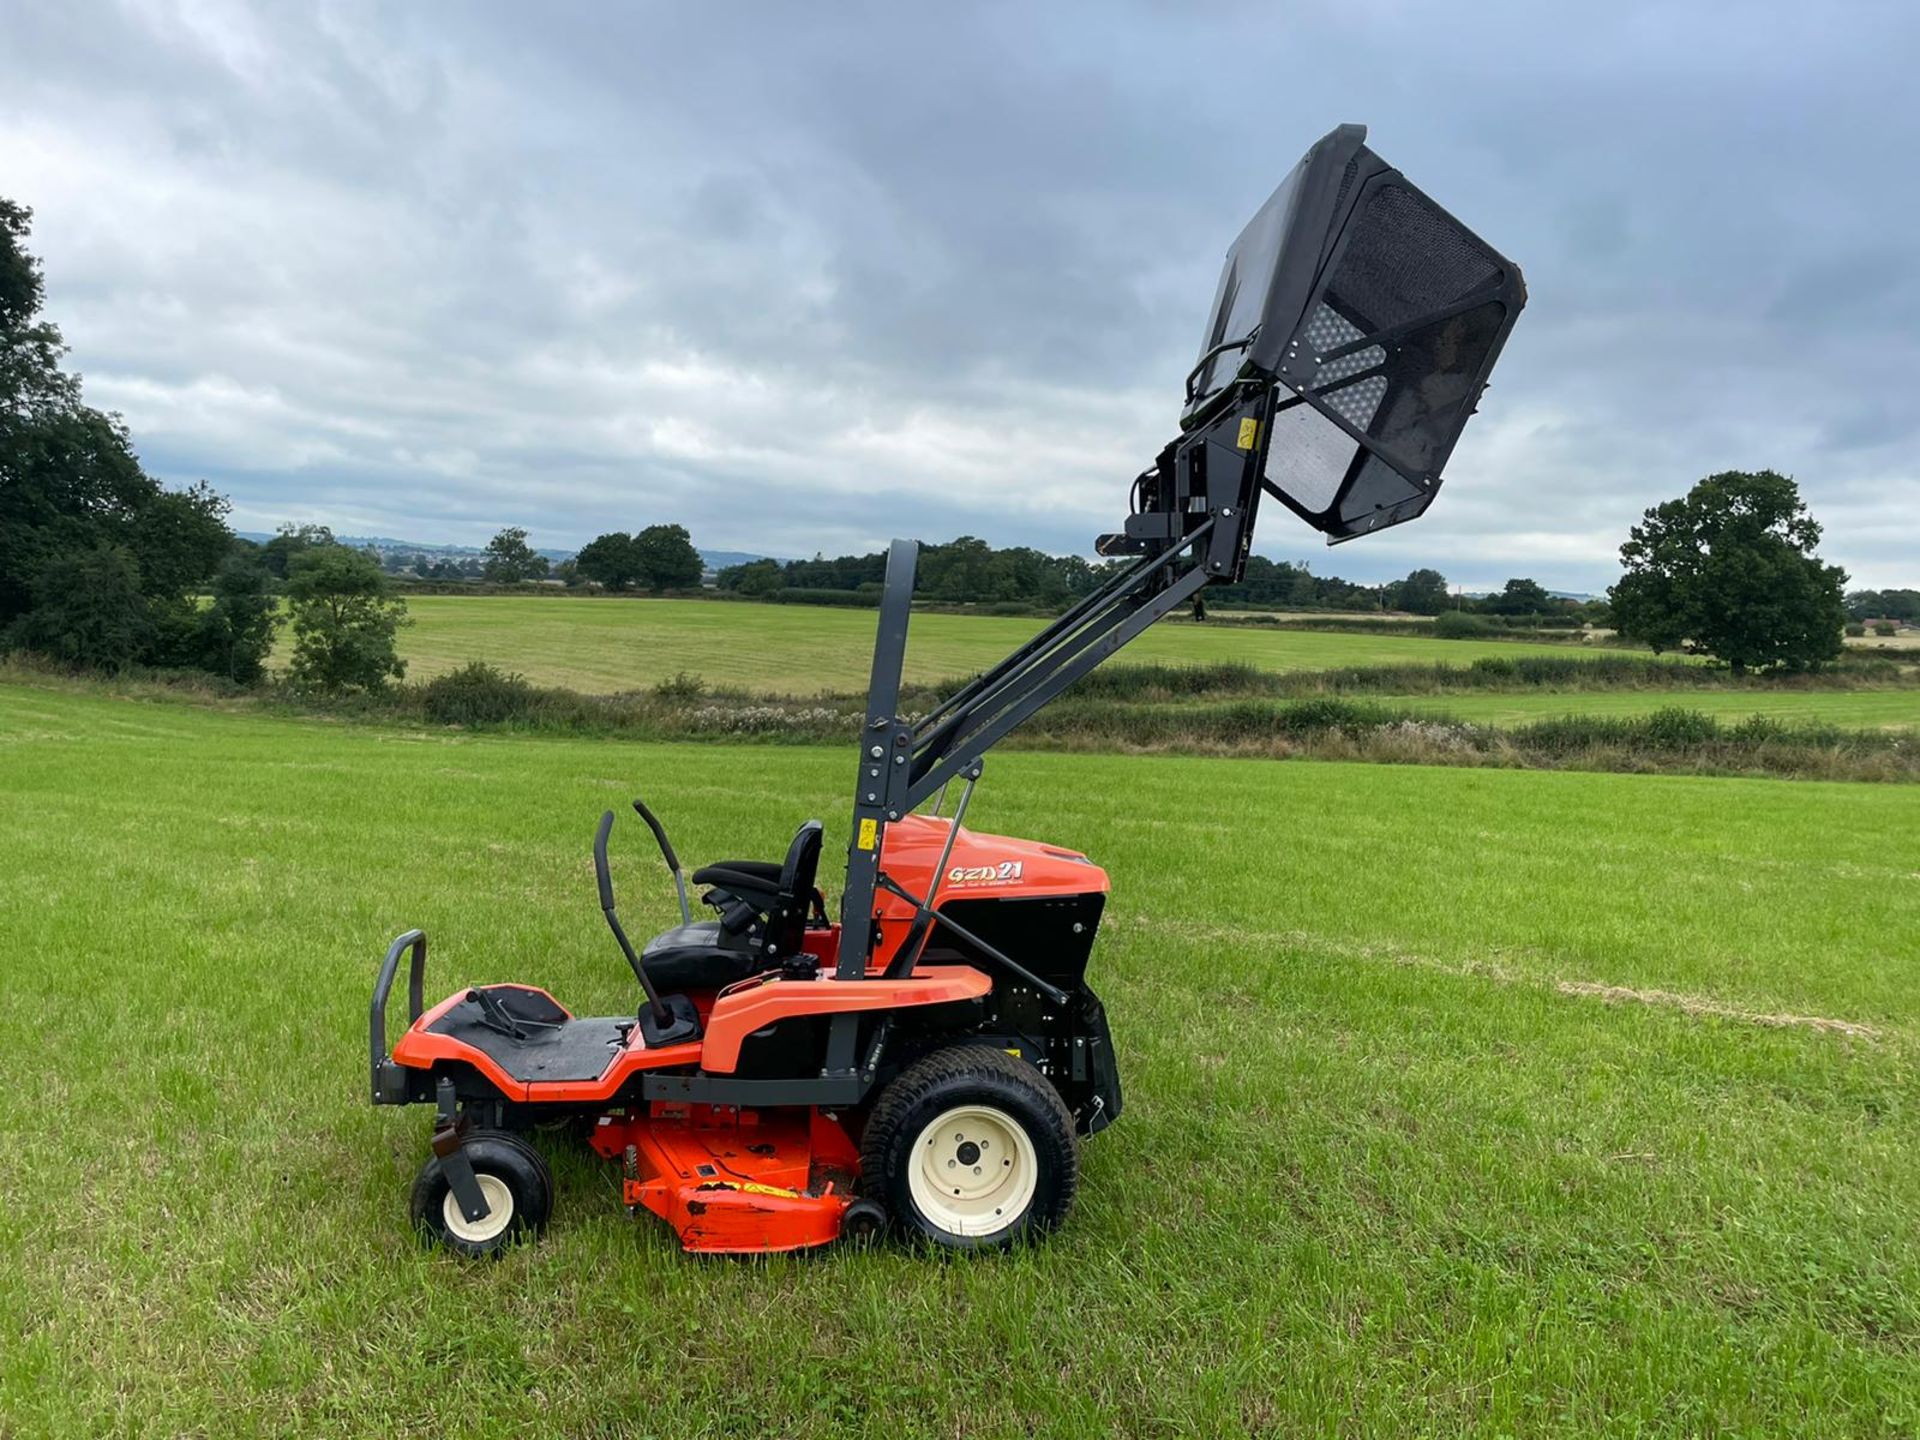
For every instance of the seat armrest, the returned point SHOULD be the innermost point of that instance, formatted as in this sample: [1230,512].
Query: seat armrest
[749,888]
[763,873]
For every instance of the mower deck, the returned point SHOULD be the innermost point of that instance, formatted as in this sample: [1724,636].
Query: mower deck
[735,1181]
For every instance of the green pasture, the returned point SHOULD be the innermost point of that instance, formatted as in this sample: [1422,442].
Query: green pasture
[601,646]
[1850,709]
[1394,1159]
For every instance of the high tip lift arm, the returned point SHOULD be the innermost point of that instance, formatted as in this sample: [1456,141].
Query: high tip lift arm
[1367,321]
[1192,528]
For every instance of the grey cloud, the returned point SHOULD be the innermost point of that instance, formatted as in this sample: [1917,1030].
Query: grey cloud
[804,278]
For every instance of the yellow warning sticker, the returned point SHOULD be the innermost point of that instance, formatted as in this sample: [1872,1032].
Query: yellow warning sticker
[1249,433]
[750,1187]
[869,834]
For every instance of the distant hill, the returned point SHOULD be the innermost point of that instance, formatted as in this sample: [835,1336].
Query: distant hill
[721,559]
[387,545]
[1581,595]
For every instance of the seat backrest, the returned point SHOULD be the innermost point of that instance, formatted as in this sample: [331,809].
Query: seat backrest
[796,888]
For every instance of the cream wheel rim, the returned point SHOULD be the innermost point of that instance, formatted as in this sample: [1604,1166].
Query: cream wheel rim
[489,1226]
[973,1171]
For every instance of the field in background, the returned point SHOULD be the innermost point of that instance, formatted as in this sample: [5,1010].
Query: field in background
[1850,709]
[1907,640]
[1454,1098]
[601,646]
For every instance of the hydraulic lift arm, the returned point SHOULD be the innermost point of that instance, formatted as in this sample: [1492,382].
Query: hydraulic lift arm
[1351,337]
[1199,538]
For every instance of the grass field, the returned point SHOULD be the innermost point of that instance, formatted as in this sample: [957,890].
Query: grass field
[1394,1160]
[600,646]
[1853,709]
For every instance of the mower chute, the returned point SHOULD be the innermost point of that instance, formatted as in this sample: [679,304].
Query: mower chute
[1376,316]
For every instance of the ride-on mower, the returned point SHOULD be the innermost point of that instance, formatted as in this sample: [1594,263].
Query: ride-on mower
[929,1062]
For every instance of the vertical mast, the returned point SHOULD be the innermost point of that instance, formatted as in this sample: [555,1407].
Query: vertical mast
[881,785]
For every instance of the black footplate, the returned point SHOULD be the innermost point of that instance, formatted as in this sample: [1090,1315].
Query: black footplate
[530,1037]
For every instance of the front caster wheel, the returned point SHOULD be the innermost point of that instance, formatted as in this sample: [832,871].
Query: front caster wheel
[513,1178]
[864,1222]
[970,1149]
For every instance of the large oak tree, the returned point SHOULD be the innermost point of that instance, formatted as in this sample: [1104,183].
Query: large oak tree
[1728,570]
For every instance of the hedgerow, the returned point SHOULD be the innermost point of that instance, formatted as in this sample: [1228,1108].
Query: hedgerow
[1211,710]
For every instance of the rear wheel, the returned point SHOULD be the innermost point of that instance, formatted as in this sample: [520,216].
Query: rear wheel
[971,1148]
[513,1178]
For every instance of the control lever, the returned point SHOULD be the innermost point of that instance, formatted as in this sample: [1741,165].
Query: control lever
[662,1016]
[666,850]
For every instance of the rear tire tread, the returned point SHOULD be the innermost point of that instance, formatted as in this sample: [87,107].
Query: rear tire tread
[990,1076]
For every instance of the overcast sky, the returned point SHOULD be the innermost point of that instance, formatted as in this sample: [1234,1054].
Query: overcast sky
[804,277]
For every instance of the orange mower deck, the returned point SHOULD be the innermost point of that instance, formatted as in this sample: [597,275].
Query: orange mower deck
[736,1182]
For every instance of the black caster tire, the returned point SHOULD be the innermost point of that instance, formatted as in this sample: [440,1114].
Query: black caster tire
[971,1149]
[864,1222]
[516,1182]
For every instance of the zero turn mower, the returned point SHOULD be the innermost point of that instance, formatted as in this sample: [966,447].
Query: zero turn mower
[929,1062]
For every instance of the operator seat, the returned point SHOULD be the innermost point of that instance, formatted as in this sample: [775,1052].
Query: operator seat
[763,909]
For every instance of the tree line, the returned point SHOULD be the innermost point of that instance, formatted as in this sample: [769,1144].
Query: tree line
[1902,607]
[967,571]
[970,571]
[657,558]
[1278,585]
[1729,570]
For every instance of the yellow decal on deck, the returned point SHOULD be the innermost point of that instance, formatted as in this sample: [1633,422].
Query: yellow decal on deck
[1249,433]
[750,1187]
[869,834]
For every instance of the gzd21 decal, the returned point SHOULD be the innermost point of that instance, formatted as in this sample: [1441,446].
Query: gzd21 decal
[1001,874]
